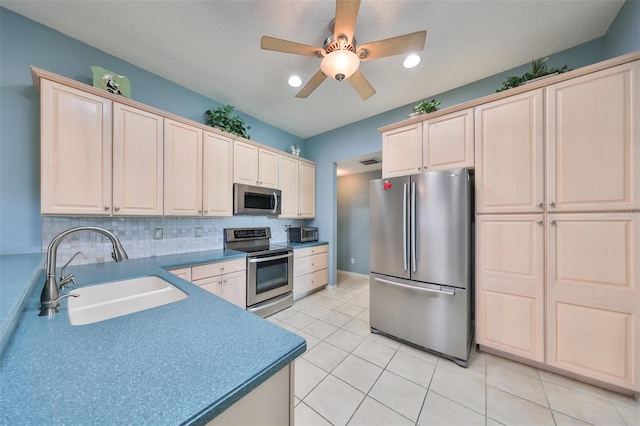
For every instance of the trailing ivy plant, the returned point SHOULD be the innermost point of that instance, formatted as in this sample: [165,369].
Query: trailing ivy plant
[538,69]
[425,107]
[224,119]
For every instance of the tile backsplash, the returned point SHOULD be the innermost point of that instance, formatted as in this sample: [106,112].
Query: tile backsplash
[137,235]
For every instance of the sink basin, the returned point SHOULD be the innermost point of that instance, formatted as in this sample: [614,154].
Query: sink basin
[110,300]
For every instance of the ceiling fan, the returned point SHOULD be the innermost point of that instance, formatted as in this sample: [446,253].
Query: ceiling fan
[340,55]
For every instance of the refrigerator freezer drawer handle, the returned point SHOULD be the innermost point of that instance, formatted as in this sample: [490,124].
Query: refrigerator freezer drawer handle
[412,287]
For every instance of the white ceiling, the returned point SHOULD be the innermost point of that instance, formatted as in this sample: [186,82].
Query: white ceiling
[213,47]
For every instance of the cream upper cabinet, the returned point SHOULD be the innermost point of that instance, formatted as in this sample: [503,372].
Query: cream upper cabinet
[182,169]
[217,175]
[448,141]
[593,142]
[76,149]
[289,186]
[593,291]
[137,162]
[509,136]
[510,302]
[402,151]
[297,183]
[255,166]
[307,199]
[268,167]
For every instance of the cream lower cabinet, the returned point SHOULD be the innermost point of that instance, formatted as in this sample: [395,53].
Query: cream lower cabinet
[225,279]
[593,296]
[76,150]
[510,304]
[310,269]
[297,183]
[184,273]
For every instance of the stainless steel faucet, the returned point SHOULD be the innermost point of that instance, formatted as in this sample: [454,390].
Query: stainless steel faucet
[51,292]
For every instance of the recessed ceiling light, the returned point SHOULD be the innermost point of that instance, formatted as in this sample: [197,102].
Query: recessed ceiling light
[295,81]
[411,61]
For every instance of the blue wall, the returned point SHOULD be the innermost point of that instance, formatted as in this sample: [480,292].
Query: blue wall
[362,138]
[24,43]
[353,221]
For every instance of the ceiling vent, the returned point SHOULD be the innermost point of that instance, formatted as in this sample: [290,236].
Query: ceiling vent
[370,161]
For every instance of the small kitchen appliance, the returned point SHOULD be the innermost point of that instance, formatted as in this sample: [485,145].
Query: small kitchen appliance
[256,200]
[303,234]
[269,269]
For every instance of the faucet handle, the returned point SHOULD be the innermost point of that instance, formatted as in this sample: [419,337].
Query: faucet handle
[64,281]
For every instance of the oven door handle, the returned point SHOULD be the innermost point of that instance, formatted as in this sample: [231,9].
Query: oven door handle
[267,259]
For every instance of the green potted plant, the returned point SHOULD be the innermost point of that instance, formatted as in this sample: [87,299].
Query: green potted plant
[538,69]
[224,119]
[425,107]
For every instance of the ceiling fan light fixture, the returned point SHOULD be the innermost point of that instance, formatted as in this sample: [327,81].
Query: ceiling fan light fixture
[411,61]
[340,64]
[295,81]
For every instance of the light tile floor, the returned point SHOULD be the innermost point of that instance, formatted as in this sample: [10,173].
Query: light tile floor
[350,376]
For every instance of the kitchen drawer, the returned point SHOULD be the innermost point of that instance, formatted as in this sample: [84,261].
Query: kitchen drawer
[310,282]
[305,265]
[217,268]
[308,251]
[184,273]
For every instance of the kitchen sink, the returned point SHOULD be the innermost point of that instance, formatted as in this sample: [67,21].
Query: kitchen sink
[110,300]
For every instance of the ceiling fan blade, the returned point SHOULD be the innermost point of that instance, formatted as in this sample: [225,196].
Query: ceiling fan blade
[311,85]
[362,85]
[346,16]
[286,46]
[413,42]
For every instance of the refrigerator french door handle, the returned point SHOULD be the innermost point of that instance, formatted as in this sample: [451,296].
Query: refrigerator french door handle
[414,259]
[413,287]
[404,226]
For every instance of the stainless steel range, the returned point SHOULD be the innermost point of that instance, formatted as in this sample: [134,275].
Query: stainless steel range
[269,269]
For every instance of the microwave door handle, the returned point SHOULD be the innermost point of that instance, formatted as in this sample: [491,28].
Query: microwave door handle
[275,202]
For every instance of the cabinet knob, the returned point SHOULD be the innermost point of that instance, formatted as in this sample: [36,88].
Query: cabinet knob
[117,208]
[539,221]
[106,208]
[540,205]
[206,211]
[222,268]
[224,281]
[220,282]
[200,211]
[552,204]
[553,222]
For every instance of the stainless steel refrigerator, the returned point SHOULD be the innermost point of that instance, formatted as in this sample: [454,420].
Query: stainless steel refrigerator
[421,260]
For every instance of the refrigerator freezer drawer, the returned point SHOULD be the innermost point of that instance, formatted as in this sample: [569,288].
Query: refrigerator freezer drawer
[434,318]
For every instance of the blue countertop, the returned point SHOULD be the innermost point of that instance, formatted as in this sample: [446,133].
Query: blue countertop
[180,363]
[302,245]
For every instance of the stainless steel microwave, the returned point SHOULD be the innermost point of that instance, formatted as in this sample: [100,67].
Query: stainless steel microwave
[303,234]
[255,200]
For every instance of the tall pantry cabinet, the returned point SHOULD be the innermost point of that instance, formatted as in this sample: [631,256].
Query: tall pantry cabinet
[558,225]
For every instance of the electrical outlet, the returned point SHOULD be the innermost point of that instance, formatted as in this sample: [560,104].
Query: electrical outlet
[157,234]
[353,260]
[286,227]
[198,231]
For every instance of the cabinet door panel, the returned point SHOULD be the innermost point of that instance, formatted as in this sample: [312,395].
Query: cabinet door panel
[183,169]
[289,185]
[593,296]
[509,154]
[76,151]
[594,142]
[217,175]
[137,162]
[448,141]
[234,288]
[307,190]
[211,284]
[268,166]
[245,163]
[402,151]
[510,284]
